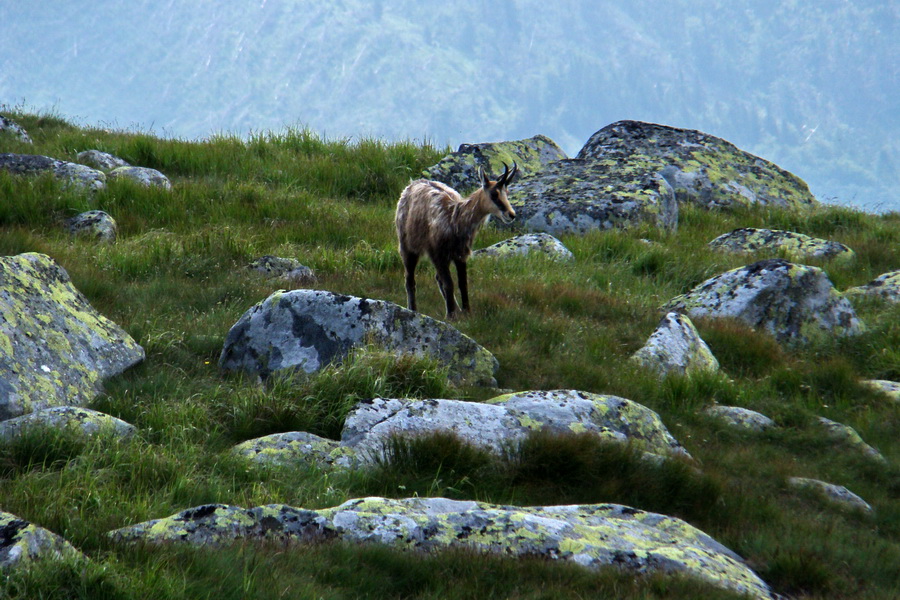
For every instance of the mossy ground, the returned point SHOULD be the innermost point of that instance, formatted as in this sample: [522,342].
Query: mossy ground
[176,281]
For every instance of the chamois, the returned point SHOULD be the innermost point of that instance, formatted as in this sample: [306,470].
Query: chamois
[433,218]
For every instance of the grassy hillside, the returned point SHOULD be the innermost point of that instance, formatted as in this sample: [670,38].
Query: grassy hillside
[176,281]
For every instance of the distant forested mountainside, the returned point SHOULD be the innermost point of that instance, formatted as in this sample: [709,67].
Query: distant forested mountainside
[811,85]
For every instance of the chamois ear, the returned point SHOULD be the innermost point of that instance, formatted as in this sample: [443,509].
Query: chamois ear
[485,180]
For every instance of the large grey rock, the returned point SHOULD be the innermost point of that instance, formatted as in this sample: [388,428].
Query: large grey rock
[530,243]
[886,287]
[459,170]
[701,168]
[144,176]
[507,419]
[797,245]
[102,161]
[578,196]
[74,174]
[794,303]
[55,349]
[308,329]
[676,347]
[298,448]
[594,535]
[836,494]
[287,269]
[22,542]
[95,225]
[10,127]
[83,422]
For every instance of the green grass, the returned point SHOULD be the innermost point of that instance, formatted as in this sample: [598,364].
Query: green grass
[176,280]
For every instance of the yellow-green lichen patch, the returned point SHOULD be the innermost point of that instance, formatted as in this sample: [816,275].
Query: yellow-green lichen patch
[297,448]
[49,360]
[22,542]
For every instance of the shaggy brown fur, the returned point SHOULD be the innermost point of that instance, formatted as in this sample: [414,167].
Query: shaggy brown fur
[432,218]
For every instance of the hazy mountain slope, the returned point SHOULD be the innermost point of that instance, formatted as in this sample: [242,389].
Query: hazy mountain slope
[810,85]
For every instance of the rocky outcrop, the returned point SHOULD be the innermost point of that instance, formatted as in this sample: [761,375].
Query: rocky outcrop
[298,448]
[289,270]
[530,243]
[794,303]
[82,422]
[507,419]
[144,176]
[884,287]
[676,347]
[308,329]
[10,127]
[22,542]
[740,418]
[102,161]
[459,170]
[55,349]
[94,225]
[700,168]
[578,196]
[796,245]
[593,536]
[74,174]
[836,494]
[847,436]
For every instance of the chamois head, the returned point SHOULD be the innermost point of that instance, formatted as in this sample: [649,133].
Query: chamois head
[494,193]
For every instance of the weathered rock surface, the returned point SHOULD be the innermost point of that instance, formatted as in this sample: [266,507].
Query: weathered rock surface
[796,245]
[144,176]
[676,347]
[287,269]
[889,388]
[298,448]
[885,286]
[55,349]
[846,435]
[577,196]
[741,418]
[93,224]
[459,170]
[22,542]
[594,536]
[102,161]
[507,419]
[530,243]
[81,421]
[70,173]
[308,329]
[10,127]
[794,303]
[836,494]
[701,168]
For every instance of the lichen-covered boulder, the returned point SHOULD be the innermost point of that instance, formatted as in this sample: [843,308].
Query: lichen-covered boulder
[74,174]
[890,388]
[578,196]
[287,269]
[308,329]
[144,176]
[298,448]
[507,419]
[676,347]
[75,419]
[102,161]
[95,225]
[701,168]
[796,245]
[594,535]
[530,243]
[459,170]
[849,437]
[836,494]
[740,418]
[22,542]
[794,303]
[885,287]
[10,127]
[55,349]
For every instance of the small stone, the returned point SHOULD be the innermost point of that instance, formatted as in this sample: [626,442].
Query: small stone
[885,287]
[741,418]
[298,448]
[101,161]
[82,421]
[836,494]
[676,347]
[22,542]
[9,126]
[93,224]
[143,175]
[848,436]
[797,245]
[890,388]
[287,269]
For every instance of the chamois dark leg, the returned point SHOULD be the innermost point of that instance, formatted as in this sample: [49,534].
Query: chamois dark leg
[445,283]
[410,261]
[463,283]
